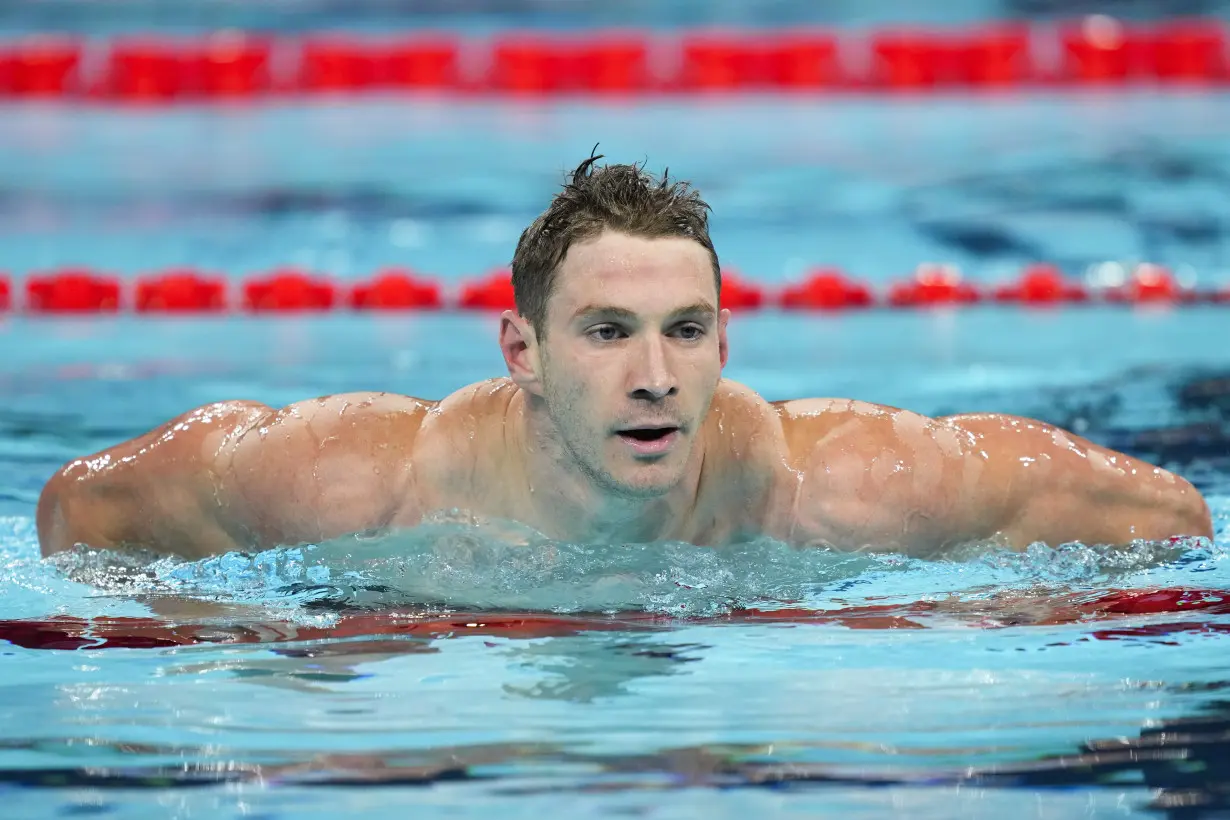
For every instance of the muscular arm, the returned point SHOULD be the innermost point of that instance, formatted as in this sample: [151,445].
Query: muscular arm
[240,476]
[873,477]
[1059,487]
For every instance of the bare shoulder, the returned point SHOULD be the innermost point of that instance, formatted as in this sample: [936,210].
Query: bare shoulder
[468,412]
[738,417]
[743,446]
[812,424]
[353,410]
[321,467]
[792,432]
[353,422]
[485,397]
[461,444]
[871,476]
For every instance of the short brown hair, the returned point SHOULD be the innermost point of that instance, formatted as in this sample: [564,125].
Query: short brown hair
[621,198]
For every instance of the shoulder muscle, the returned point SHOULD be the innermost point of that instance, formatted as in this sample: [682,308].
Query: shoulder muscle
[323,467]
[877,477]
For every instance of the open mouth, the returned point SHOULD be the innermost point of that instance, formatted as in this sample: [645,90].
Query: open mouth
[648,433]
[648,440]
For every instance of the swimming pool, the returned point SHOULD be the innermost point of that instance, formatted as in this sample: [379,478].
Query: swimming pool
[294,683]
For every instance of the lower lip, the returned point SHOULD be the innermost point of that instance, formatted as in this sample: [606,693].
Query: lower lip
[652,447]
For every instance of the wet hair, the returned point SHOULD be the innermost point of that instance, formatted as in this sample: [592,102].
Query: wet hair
[621,198]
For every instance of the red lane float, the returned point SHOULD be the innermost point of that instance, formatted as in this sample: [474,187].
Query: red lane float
[337,64]
[1149,284]
[151,69]
[146,71]
[529,64]
[1101,50]
[72,290]
[40,67]
[1190,51]
[6,300]
[720,62]
[733,62]
[982,58]
[232,64]
[1041,285]
[180,291]
[612,64]
[493,292]
[83,290]
[913,61]
[289,291]
[801,62]
[998,57]
[396,290]
[739,293]
[826,289]
[536,64]
[1097,50]
[420,63]
[933,285]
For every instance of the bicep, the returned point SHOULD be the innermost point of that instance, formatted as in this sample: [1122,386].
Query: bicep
[1059,487]
[886,479]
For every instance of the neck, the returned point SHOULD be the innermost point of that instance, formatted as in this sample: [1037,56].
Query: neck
[567,503]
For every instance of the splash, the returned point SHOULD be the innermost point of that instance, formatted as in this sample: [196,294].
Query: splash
[447,565]
[451,566]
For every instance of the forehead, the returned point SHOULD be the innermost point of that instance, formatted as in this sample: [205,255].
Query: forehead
[634,272]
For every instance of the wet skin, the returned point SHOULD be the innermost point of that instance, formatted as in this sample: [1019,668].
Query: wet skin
[613,425]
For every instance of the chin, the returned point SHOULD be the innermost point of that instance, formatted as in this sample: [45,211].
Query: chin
[649,482]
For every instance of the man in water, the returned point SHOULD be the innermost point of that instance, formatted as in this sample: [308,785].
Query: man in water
[613,424]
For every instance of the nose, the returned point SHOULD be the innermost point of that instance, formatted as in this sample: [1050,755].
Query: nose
[651,375]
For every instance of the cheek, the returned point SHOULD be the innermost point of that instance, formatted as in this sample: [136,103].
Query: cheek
[570,391]
[704,372]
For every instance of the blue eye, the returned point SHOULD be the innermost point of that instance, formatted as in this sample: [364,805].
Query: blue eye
[691,333]
[605,333]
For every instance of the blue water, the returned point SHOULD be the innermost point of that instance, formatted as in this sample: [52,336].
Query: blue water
[381,676]
[988,183]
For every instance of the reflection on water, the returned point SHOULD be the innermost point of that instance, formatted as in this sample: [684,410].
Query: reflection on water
[589,669]
[1184,763]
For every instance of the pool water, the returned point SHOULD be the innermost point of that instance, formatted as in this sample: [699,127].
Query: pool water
[443,671]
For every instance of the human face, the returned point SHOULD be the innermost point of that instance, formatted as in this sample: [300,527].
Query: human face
[633,352]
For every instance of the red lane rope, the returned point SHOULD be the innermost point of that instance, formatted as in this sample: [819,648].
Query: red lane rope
[285,290]
[70,633]
[1096,51]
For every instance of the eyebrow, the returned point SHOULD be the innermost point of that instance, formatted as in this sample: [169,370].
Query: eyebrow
[702,310]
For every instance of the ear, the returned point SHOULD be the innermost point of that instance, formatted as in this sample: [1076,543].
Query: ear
[519,345]
[723,346]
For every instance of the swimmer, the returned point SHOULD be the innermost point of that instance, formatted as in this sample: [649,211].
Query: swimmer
[614,424]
